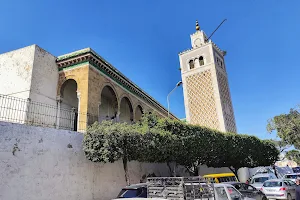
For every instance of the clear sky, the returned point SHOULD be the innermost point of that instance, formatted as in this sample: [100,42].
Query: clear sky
[143,38]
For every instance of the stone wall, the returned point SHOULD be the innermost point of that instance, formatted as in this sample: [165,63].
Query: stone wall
[51,165]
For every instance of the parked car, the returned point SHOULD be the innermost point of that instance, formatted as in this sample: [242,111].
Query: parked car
[258,180]
[222,177]
[279,189]
[292,176]
[296,169]
[248,190]
[134,191]
[221,191]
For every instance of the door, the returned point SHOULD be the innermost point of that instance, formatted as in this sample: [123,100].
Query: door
[233,193]
[253,192]
[292,188]
[289,189]
[243,189]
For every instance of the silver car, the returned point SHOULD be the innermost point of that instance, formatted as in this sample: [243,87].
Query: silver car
[292,176]
[279,189]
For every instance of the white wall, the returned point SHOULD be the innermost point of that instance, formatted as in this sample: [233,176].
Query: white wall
[28,73]
[45,168]
[15,80]
[16,72]
[43,89]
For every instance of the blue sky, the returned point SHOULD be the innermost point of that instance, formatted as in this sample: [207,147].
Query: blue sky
[143,38]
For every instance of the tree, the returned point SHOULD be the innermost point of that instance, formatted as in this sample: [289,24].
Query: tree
[293,155]
[109,142]
[204,146]
[287,127]
[166,141]
[281,145]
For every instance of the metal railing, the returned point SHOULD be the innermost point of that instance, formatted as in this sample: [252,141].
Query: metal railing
[55,115]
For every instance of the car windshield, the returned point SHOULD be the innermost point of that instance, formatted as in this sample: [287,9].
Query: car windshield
[273,184]
[129,193]
[260,179]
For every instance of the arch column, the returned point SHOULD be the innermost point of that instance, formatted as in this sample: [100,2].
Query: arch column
[58,103]
[99,110]
[81,125]
[118,115]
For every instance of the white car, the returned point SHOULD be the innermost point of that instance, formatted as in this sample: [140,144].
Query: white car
[258,180]
[279,189]
[292,176]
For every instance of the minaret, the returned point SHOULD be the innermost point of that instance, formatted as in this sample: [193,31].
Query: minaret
[205,85]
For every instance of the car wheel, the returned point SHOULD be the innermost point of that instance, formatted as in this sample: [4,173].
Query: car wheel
[289,197]
[264,198]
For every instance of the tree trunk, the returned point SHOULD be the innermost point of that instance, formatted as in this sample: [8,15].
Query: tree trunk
[125,162]
[170,169]
[234,171]
[196,171]
[174,169]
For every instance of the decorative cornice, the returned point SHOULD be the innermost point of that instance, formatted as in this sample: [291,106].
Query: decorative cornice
[209,42]
[89,56]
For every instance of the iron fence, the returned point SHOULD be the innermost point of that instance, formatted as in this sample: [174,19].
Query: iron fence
[54,115]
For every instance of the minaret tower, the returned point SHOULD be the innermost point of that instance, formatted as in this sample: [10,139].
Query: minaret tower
[205,85]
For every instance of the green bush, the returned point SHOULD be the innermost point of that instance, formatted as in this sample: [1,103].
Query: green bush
[166,141]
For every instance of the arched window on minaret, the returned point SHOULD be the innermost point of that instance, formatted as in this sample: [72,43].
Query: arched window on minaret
[192,65]
[201,61]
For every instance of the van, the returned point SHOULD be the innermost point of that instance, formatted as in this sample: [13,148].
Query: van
[222,177]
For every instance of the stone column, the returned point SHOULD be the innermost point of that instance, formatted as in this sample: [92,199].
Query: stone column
[58,102]
[99,112]
[27,116]
[118,116]
[79,117]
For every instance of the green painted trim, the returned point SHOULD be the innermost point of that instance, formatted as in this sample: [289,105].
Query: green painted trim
[73,54]
[73,66]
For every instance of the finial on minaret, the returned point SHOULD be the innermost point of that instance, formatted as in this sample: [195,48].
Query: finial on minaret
[197,26]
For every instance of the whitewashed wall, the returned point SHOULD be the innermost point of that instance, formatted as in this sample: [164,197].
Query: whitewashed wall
[45,168]
[43,89]
[28,73]
[16,72]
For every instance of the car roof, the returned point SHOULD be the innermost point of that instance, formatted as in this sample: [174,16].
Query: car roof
[274,180]
[218,175]
[292,174]
[233,183]
[135,186]
[222,184]
[261,175]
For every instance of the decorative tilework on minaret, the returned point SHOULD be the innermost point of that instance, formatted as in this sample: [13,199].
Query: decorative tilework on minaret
[205,85]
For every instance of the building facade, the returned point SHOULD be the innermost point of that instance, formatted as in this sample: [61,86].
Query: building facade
[205,85]
[71,91]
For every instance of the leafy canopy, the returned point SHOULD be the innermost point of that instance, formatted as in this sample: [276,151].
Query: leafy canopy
[287,127]
[165,140]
